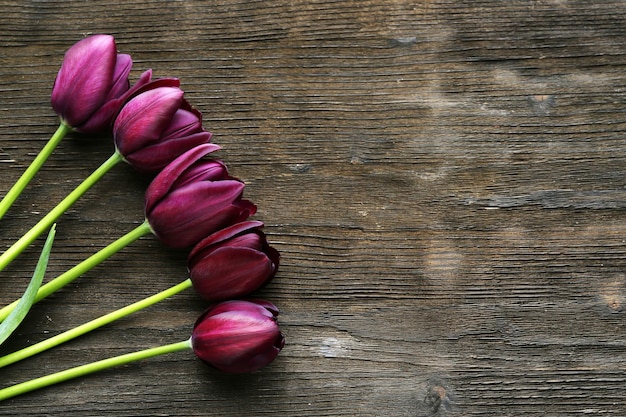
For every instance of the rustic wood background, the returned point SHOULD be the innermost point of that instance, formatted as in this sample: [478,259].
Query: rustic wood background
[445,180]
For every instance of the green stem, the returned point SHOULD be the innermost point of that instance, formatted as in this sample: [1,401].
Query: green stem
[91,325]
[47,221]
[30,172]
[82,370]
[89,263]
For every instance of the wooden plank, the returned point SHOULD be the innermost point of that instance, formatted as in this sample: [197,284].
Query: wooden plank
[444,179]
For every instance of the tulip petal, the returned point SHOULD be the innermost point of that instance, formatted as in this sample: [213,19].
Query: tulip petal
[245,351]
[123,65]
[102,117]
[187,215]
[224,234]
[163,182]
[154,157]
[142,120]
[252,306]
[203,171]
[231,272]
[183,123]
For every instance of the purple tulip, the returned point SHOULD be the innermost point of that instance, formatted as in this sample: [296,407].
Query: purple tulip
[91,84]
[238,336]
[232,262]
[156,126]
[191,199]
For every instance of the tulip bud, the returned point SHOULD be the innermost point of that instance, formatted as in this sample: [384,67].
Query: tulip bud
[233,262]
[156,126]
[92,76]
[238,336]
[191,199]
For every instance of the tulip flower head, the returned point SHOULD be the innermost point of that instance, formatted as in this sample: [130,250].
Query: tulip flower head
[92,79]
[193,198]
[232,262]
[156,126]
[238,336]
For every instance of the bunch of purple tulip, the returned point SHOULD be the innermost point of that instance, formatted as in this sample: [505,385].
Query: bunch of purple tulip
[192,203]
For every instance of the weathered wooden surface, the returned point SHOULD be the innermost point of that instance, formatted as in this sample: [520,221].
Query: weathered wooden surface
[445,181]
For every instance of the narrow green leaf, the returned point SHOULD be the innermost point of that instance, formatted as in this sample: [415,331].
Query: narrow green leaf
[15,318]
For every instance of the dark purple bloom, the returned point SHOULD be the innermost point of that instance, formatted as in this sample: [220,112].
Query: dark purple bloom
[92,79]
[238,336]
[155,126]
[193,198]
[232,262]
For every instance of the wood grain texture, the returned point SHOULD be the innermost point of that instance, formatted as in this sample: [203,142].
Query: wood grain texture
[445,181]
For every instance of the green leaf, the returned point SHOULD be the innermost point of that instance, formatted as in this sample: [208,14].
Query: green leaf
[15,318]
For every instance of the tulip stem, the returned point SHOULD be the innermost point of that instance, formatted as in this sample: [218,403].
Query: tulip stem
[89,263]
[91,325]
[47,221]
[30,172]
[89,368]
